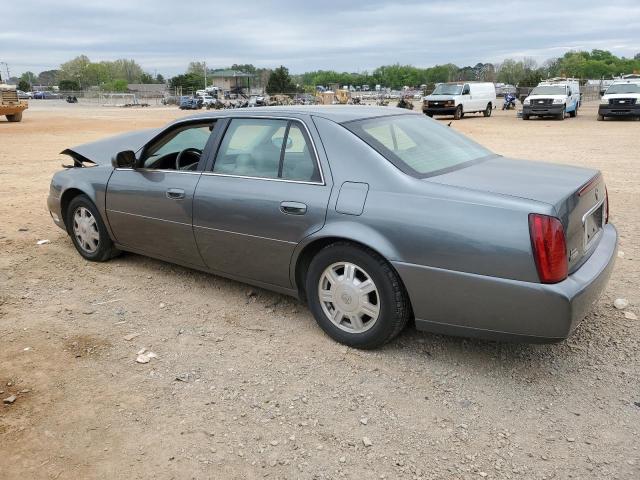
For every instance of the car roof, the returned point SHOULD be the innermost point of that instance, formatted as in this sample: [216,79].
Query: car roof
[335,113]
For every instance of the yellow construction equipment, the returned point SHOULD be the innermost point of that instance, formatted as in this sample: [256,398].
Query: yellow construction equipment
[10,105]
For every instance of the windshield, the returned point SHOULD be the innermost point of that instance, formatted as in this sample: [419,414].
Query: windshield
[623,88]
[448,89]
[418,146]
[549,90]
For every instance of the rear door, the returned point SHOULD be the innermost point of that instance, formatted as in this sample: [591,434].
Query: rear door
[265,192]
[150,208]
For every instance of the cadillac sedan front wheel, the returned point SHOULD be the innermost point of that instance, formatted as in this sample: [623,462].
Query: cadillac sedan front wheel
[87,230]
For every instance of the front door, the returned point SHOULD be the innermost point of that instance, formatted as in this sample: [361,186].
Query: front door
[264,194]
[150,208]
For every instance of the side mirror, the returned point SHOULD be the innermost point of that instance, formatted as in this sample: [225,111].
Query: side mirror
[126,159]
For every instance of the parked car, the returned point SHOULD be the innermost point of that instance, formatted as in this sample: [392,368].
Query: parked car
[24,95]
[190,103]
[553,98]
[621,99]
[46,95]
[207,100]
[371,215]
[258,101]
[459,98]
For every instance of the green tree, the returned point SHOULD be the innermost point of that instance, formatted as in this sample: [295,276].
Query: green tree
[24,86]
[48,77]
[244,67]
[120,85]
[280,82]
[75,69]
[67,85]
[28,77]
[97,74]
[188,81]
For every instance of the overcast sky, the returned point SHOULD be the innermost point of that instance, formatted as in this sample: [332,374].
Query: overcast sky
[346,35]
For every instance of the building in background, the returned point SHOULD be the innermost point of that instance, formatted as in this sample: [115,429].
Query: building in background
[232,81]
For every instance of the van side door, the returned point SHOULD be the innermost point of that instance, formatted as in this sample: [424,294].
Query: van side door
[466,98]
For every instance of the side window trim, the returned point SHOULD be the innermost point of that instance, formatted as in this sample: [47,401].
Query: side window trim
[204,158]
[283,149]
[222,125]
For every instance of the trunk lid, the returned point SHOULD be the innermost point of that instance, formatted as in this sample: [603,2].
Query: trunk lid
[577,194]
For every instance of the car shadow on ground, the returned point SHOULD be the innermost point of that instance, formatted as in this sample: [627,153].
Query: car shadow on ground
[411,344]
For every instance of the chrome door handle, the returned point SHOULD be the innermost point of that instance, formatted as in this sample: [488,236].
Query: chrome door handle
[175,193]
[293,208]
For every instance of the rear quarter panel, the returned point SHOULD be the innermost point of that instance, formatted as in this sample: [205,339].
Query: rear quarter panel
[420,222]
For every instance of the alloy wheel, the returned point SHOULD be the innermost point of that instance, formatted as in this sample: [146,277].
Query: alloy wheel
[349,297]
[85,230]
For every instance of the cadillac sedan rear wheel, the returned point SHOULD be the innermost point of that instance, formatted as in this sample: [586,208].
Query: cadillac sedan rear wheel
[87,230]
[356,296]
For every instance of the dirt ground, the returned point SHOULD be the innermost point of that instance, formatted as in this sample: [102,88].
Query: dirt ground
[246,385]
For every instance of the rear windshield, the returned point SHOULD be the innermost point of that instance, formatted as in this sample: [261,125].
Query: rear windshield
[623,88]
[549,90]
[418,146]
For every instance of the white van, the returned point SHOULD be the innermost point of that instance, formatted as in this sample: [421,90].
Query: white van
[458,98]
[621,99]
[553,98]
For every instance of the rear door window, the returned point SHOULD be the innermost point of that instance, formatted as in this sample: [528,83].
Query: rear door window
[266,148]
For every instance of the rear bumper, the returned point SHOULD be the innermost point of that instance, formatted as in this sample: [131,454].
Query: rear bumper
[619,111]
[542,110]
[457,303]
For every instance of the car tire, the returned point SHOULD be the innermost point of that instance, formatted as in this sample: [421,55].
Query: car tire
[87,230]
[387,299]
[459,113]
[525,117]
[562,114]
[600,117]
[574,113]
[487,111]
[16,117]
[430,115]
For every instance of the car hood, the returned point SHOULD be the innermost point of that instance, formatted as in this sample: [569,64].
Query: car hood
[443,98]
[102,151]
[543,182]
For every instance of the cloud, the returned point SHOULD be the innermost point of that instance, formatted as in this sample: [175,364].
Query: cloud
[164,36]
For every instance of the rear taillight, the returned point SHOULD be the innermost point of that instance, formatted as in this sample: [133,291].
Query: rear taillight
[606,205]
[549,247]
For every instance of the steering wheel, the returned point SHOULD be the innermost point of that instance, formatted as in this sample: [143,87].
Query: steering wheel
[195,152]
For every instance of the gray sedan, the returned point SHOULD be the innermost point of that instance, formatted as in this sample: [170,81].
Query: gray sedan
[373,216]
